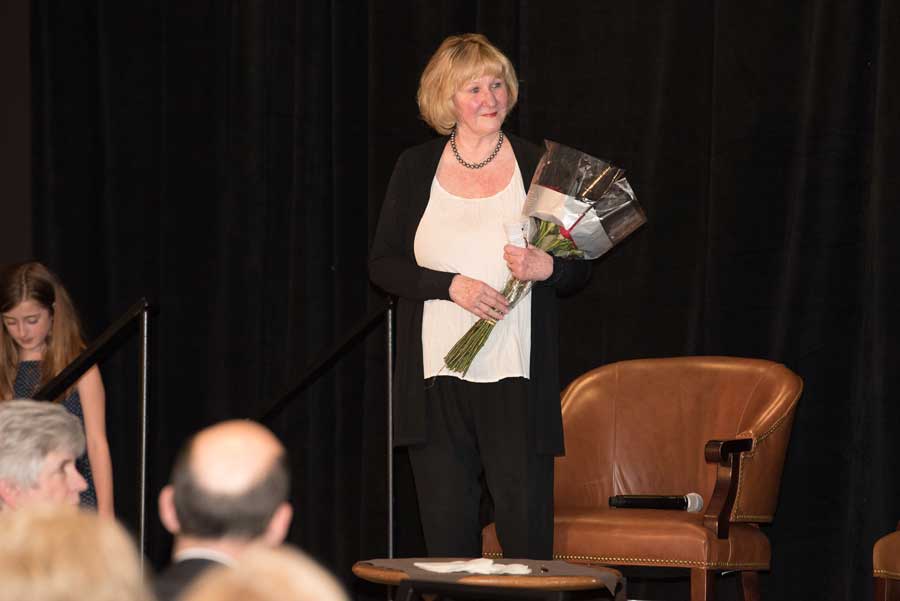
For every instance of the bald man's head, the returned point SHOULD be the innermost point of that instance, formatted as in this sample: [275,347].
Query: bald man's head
[229,480]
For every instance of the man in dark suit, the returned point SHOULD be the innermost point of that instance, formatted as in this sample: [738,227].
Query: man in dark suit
[228,492]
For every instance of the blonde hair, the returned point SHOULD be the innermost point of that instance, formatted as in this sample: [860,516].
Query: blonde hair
[63,554]
[33,281]
[459,59]
[265,574]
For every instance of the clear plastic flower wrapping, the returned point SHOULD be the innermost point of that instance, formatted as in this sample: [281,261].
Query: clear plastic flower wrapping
[587,196]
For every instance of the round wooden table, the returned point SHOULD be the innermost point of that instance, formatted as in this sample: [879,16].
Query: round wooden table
[549,576]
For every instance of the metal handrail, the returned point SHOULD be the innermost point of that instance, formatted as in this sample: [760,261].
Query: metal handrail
[102,345]
[326,359]
[91,356]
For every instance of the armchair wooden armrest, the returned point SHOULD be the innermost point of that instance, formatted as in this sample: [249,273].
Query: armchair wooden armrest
[727,454]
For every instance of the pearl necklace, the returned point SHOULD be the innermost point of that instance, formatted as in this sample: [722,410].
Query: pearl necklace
[474,165]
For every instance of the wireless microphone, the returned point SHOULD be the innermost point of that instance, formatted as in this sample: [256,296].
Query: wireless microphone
[691,502]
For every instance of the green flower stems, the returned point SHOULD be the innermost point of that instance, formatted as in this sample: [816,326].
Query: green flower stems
[549,239]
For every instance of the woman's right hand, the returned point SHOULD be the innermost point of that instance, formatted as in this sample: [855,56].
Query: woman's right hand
[478,298]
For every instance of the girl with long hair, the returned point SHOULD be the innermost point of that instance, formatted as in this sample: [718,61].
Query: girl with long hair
[41,334]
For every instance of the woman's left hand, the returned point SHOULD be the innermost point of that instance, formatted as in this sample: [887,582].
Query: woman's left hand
[528,264]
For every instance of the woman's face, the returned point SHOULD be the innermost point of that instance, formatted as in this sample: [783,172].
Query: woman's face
[28,324]
[480,105]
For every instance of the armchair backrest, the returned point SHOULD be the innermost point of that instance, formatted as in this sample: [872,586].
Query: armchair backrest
[639,427]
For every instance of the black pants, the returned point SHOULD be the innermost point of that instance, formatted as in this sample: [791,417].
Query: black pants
[477,429]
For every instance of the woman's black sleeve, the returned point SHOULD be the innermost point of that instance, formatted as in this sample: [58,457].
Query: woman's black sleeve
[391,264]
[569,275]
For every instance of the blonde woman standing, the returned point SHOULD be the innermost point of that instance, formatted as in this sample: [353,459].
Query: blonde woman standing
[441,248]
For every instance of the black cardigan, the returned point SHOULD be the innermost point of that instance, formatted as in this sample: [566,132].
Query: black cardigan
[392,267]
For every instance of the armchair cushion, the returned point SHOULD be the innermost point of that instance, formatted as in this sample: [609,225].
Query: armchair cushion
[649,537]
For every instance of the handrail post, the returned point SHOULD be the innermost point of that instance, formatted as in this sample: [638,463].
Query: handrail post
[389,338]
[143,392]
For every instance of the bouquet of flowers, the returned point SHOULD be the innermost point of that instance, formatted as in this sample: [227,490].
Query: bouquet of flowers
[578,207]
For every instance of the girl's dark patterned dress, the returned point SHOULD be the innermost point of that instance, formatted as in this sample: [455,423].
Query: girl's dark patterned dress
[27,379]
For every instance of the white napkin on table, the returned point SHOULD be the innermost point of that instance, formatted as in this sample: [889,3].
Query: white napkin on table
[481,565]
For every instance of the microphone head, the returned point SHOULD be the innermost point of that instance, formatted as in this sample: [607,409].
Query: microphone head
[694,502]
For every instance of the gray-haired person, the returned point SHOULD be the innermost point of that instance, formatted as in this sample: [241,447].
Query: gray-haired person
[39,443]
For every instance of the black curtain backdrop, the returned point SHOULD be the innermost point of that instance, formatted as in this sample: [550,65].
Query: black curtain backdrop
[228,160]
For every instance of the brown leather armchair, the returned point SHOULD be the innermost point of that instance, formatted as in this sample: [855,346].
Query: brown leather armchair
[718,426]
[886,567]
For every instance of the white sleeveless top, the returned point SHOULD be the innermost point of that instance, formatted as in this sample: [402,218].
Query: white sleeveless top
[466,236]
